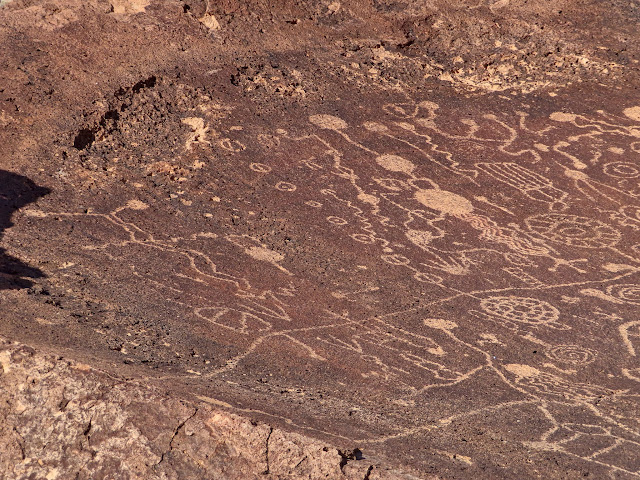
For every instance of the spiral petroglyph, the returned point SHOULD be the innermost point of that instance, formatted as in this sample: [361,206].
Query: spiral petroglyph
[629,293]
[572,354]
[622,170]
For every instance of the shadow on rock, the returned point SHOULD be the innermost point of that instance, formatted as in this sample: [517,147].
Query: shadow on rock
[16,191]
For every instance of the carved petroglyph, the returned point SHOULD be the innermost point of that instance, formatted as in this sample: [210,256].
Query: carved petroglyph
[405,251]
[624,170]
[628,293]
[199,134]
[528,311]
[571,354]
[619,293]
[574,230]
[533,185]
[547,384]
[630,333]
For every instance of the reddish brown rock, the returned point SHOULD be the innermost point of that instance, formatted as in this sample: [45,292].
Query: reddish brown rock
[63,419]
[408,228]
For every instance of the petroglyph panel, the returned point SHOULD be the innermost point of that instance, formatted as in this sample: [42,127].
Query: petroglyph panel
[395,251]
[410,228]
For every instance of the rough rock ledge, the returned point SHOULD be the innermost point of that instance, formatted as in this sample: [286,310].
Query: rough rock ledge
[65,420]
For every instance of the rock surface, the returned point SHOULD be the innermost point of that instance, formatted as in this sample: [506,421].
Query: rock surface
[63,419]
[407,227]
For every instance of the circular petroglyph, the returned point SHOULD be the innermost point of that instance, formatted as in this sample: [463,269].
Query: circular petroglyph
[521,309]
[573,230]
[622,170]
[394,163]
[286,187]
[363,238]
[337,220]
[330,122]
[313,203]
[231,145]
[571,354]
[628,292]
[260,167]
[396,259]
[444,201]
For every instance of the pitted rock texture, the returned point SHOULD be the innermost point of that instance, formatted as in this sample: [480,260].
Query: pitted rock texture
[65,420]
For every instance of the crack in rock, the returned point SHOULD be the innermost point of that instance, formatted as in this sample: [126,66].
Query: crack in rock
[266,453]
[175,433]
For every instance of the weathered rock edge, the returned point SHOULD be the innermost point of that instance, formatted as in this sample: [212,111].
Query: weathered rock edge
[65,420]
